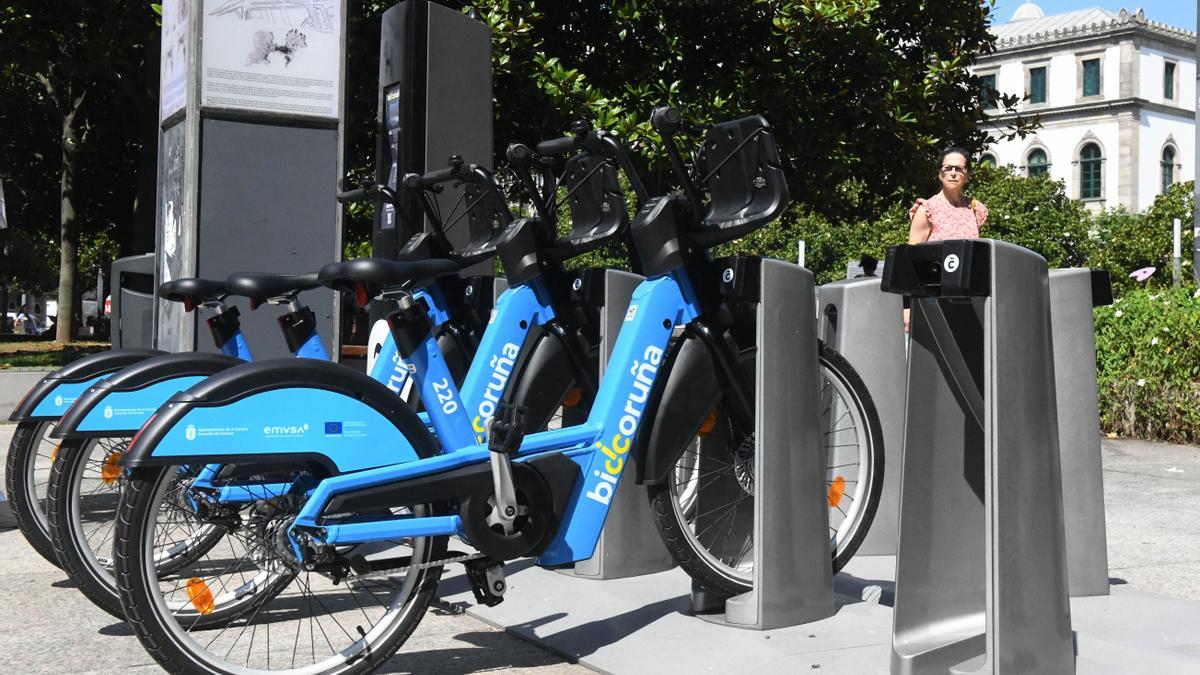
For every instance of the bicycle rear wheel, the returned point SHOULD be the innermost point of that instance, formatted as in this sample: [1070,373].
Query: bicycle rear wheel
[27,478]
[274,614]
[85,489]
[705,508]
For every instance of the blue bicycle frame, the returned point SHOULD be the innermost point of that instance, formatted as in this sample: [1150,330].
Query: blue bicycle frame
[598,447]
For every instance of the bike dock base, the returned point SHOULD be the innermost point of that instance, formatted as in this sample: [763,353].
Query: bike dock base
[643,625]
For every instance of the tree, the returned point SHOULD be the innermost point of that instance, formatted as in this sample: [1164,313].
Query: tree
[855,90]
[75,65]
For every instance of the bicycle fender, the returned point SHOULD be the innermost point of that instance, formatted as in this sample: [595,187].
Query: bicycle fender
[543,379]
[120,404]
[681,400]
[50,397]
[284,410]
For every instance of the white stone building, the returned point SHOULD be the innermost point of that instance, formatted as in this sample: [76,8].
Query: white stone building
[1115,94]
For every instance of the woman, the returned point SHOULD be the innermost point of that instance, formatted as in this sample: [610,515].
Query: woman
[948,214]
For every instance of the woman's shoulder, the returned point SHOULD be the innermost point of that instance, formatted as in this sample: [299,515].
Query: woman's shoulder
[928,205]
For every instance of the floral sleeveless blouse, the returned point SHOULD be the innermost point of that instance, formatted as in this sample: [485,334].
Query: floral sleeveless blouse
[947,221]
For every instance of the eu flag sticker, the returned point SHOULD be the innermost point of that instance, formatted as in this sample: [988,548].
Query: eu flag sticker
[333,428]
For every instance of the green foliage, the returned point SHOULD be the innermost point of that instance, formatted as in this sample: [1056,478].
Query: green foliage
[855,90]
[98,250]
[1130,241]
[103,57]
[1035,213]
[1148,362]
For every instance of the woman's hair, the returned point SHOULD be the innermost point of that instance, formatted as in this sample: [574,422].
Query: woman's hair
[954,150]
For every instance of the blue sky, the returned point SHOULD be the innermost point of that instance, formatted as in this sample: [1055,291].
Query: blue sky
[1178,13]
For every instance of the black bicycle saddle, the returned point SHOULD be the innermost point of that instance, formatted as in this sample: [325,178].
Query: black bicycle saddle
[260,287]
[378,273]
[192,291]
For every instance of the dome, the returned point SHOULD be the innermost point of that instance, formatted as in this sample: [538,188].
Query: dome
[1027,11]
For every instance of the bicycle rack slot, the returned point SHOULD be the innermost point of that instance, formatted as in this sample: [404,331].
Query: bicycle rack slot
[866,327]
[793,578]
[629,545]
[981,572]
[1073,293]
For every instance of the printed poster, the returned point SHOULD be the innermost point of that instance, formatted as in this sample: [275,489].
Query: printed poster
[280,56]
[173,70]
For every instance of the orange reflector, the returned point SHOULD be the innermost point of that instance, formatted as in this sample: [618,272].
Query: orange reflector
[709,422]
[54,455]
[111,470]
[201,596]
[836,490]
[573,397]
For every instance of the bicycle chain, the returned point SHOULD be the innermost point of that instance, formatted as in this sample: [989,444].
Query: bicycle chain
[377,574]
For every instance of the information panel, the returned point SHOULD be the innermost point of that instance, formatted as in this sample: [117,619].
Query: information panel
[173,64]
[280,57]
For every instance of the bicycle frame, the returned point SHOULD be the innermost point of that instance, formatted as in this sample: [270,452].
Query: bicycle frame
[518,311]
[598,446]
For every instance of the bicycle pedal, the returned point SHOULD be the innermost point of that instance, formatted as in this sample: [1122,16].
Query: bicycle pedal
[507,428]
[487,581]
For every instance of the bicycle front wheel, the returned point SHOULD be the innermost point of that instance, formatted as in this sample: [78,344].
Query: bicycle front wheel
[705,508]
[246,605]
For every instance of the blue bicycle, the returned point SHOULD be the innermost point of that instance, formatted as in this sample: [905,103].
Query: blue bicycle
[340,500]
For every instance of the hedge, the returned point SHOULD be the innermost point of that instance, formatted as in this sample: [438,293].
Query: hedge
[1148,364]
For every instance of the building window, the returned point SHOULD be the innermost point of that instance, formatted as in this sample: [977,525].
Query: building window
[988,160]
[987,95]
[1168,168]
[1090,172]
[1091,77]
[1037,85]
[1036,163]
[1169,81]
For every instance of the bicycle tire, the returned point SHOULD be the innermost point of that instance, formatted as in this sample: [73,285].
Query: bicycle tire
[86,560]
[176,650]
[692,555]
[22,484]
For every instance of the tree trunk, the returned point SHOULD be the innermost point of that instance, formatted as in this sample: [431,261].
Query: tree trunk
[68,228]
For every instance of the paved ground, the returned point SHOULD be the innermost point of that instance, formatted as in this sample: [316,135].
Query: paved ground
[46,626]
[1152,493]
[1152,498]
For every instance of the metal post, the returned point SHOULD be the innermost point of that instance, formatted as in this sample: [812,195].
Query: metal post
[866,326]
[1073,293]
[981,575]
[793,580]
[629,544]
[1177,263]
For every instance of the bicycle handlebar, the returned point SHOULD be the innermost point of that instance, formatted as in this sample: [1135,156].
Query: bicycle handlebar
[557,146]
[667,121]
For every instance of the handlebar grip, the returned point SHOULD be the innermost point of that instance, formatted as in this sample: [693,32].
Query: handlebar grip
[356,195]
[556,146]
[417,181]
[666,120]
[519,154]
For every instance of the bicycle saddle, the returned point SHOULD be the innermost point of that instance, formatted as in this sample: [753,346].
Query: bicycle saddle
[597,203]
[378,273]
[745,181]
[262,287]
[192,291]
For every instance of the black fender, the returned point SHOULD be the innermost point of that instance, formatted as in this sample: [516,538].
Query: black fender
[246,400]
[139,376]
[679,403]
[458,352]
[78,371]
[546,371]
